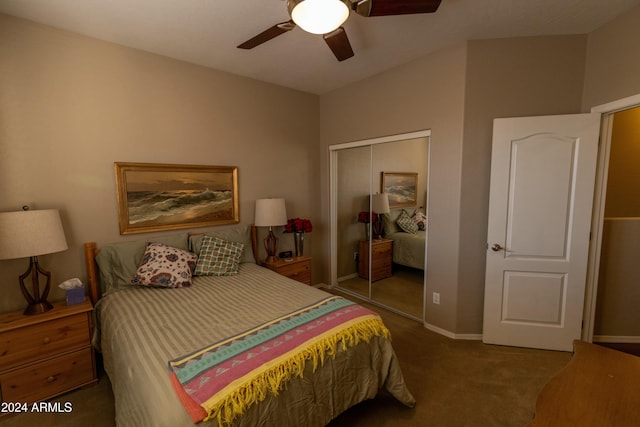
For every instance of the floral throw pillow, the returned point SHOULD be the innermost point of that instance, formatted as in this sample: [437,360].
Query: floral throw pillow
[420,219]
[218,257]
[165,266]
[405,222]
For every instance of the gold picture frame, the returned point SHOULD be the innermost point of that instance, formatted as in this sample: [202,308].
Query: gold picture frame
[401,188]
[157,196]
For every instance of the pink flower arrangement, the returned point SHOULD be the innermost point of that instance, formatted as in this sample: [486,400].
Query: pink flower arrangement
[298,225]
[364,217]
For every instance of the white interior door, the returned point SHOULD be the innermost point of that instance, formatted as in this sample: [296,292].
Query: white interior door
[542,182]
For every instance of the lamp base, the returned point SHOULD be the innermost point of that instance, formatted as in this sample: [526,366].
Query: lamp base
[378,228]
[270,259]
[271,246]
[37,308]
[38,303]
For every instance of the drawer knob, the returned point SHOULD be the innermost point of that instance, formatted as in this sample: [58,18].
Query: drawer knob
[51,379]
[46,340]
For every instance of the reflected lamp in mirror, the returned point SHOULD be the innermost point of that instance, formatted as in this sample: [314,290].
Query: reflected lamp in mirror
[379,206]
[28,234]
[270,213]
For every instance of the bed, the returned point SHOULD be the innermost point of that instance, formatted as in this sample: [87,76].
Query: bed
[409,234]
[150,336]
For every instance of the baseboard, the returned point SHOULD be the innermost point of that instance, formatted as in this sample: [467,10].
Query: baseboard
[452,335]
[470,337]
[347,277]
[633,339]
[448,334]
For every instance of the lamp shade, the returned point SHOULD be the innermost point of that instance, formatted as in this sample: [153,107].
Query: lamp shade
[27,233]
[380,203]
[270,213]
[318,16]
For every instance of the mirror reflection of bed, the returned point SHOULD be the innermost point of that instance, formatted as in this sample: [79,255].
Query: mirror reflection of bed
[389,269]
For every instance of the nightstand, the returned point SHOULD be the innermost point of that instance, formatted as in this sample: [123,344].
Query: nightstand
[299,268]
[381,259]
[44,355]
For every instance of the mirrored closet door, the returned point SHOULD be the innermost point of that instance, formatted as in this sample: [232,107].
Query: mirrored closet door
[379,194]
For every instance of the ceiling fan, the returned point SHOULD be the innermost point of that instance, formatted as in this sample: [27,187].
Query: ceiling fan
[310,16]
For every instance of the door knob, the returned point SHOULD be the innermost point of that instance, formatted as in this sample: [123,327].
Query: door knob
[496,247]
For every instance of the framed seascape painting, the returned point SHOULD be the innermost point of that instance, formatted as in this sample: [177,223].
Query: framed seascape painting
[155,196]
[401,187]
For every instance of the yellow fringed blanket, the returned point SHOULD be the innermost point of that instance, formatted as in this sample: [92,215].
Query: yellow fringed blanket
[222,379]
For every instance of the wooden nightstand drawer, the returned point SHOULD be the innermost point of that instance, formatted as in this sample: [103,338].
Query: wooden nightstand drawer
[297,269]
[44,355]
[48,378]
[381,250]
[40,341]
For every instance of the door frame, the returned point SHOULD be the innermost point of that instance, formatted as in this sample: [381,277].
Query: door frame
[333,197]
[597,219]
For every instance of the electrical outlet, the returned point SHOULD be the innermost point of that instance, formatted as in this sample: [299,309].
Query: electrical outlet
[436,298]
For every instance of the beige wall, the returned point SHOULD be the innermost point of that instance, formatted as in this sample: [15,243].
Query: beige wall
[505,78]
[619,274]
[612,70]
[460,89]
[613,63]
[424,94]
[465,87]
[70,106]
[623,182]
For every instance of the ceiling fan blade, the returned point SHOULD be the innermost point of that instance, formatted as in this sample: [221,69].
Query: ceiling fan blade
[268,34]
[338,42]
[394,7]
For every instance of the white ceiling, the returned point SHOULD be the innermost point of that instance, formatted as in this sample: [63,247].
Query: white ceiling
[206,32]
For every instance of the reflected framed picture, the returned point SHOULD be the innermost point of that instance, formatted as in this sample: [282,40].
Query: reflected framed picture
[156,196]
[401,187]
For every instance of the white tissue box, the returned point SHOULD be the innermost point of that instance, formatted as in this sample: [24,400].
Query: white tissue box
[75,295]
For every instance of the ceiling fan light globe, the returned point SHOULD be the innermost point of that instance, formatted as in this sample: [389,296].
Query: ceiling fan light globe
[318,16]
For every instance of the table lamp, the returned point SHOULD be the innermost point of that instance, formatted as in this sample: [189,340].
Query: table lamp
[379,205]
[270,213]
[29,234]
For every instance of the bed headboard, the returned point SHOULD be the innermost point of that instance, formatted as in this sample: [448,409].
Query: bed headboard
[93,281]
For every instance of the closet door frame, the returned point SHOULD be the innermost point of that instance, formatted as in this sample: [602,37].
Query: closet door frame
[333,202]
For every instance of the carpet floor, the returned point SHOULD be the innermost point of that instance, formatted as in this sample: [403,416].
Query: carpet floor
[455,383]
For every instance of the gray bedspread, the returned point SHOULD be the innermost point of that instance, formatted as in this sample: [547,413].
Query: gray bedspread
[409,249]
[140,329]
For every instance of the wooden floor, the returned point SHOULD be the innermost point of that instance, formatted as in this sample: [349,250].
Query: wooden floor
[403,291]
